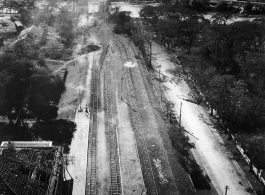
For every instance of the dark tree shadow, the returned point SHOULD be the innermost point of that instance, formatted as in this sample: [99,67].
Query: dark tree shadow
[10,131]
[59,131]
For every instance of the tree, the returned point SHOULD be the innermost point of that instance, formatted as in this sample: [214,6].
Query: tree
[248,7]
[17,85]
[222,18]
[45,90]
[223,7]
[24,8]
[25,49]
[65,25]
[123,17]
[23,87]
[25,16]
[60,131]
[5,78]
[201,6]
[191,29]
[254,149]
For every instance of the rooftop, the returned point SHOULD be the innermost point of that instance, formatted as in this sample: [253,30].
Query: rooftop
[29,168]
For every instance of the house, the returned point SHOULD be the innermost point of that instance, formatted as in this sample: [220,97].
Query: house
[19,26]
[31,168]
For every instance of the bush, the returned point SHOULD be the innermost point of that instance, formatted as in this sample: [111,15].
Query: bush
[60,131]
[118,29]
[224,7]
[53,50]
[199,180]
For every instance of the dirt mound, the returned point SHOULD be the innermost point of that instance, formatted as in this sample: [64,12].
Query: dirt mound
[89,48]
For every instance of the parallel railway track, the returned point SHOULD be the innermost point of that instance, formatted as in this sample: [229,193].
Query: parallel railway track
[110,113]
[143,153]
[91,188]
[105,72]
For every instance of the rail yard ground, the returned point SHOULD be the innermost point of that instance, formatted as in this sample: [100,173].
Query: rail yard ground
[124,142]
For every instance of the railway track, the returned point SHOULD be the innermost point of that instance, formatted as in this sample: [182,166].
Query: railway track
[143,153]
[102,70]
[91,188]
[105,72]
[110,112]
[138,112]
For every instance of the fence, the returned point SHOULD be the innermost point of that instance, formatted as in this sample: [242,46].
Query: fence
[258,173]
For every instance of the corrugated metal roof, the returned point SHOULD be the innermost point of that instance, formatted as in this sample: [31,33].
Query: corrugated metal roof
[18,23]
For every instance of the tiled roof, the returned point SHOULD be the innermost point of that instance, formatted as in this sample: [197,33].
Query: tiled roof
[29,170]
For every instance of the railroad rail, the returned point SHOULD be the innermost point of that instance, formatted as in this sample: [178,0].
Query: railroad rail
[110,111]
[144,157]
[148,172]
[138,113]
[91,178]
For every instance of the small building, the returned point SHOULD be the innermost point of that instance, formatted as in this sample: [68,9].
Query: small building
[19,26]
[31,168]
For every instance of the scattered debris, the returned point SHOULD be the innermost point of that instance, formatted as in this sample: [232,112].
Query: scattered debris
[161,173]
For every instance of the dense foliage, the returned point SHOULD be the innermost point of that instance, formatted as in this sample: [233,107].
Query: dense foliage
[123,20]
[226,62]
[26,86]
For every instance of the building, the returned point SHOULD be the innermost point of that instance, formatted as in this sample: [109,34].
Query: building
[86,6]
[31,168]
[18,26]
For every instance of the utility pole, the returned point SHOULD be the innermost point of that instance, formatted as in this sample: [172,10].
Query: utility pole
[144,190]
[160,83]
[226,188]
[150,53]
[79,99]
[121,85]
[180,114]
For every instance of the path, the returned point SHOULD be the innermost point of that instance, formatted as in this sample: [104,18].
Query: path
[210,151]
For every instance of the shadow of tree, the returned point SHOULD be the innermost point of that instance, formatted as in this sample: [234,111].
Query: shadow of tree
[10,131]
[59,131]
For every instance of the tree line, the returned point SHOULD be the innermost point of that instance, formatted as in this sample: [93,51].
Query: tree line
[27,87]
[229,65]
[226,62]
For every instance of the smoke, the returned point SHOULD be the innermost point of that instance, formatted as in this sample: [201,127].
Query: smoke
[130,64]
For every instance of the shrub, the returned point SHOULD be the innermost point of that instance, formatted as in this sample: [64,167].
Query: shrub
[118,29]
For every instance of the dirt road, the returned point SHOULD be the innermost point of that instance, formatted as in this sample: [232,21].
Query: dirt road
[210,151]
